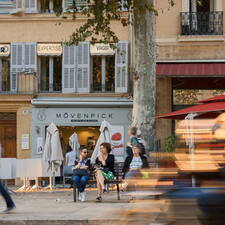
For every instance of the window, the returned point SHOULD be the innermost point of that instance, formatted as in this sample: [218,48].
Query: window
[4,74]
[103,73]
[50,74]
[50,6]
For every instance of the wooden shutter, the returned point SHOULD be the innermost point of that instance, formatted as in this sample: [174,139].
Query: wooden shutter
[83,67]
[30,6]
[17,64]
[69,69]
[19,4]
[121,67]
[67,4]
[30,57]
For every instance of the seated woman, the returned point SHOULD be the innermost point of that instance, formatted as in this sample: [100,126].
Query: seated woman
[134,163]
[104,168]
[81,173]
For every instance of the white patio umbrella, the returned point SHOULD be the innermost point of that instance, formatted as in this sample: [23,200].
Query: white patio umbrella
[74,143]
[105,136]
[53,150]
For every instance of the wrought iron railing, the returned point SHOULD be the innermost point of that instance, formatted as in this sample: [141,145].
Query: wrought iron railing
[20,83]
[202,23]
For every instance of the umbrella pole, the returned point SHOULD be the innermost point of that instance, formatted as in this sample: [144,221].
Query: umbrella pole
[53,182]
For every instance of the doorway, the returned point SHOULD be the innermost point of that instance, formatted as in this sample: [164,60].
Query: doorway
[87,136]
[8,135]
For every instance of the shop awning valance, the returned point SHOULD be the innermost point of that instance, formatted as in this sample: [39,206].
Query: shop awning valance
[207,110]
[190,69]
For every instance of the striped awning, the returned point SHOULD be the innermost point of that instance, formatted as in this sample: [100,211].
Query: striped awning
[190,69]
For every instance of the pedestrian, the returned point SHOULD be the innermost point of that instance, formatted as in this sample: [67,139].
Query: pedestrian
[132,133]
[81,173]
[104,169]
[141,142]
[9,202]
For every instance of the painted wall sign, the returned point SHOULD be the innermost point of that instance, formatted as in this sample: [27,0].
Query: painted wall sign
[101,49]
[4,50]
[49,49]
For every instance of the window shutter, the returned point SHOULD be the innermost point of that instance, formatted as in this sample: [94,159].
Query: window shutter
[69,69]
[30,57]
[19,4]
[67,4]
[30,6]
[83,67]
[121,67]
[17,64]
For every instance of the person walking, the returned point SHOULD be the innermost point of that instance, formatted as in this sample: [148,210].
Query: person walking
[8,200]
[132,133]
[104,168]
[81,173]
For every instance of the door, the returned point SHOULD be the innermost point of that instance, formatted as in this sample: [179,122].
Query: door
[8,138]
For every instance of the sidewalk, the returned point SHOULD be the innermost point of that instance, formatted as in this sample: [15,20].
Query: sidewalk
[58,208]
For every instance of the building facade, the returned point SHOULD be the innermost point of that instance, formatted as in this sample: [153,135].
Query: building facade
[77,87]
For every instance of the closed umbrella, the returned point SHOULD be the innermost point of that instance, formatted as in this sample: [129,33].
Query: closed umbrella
[74,143]
[105,136]
[52,149]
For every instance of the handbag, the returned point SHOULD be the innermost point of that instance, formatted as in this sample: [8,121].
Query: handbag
[80,172]
[108,175]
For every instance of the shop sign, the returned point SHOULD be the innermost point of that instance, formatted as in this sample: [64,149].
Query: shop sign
[49,49]
[101,49]
[117,140]
[4,50]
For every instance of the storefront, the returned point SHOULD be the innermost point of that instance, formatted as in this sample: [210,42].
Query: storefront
[185,84]
[83,116]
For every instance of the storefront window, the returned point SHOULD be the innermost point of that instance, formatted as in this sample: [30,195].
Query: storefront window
[103,73]
[50,74]
[192,96]
[5,73]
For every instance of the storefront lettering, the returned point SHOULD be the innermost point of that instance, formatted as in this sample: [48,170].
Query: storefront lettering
[4,50]
[84,116]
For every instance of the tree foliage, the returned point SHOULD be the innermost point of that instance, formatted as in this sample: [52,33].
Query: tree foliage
[99,14]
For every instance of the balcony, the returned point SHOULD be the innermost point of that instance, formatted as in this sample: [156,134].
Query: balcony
[23,83]
[202,23]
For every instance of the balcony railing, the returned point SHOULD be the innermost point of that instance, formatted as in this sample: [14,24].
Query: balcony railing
[26,83]
[202,23]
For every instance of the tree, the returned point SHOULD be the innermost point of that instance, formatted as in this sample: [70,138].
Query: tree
[141,15]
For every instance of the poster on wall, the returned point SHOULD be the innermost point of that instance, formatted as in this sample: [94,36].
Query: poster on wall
[25,142]
[117,140]
[40,145]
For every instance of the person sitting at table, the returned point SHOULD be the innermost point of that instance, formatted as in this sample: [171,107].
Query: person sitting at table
[81,173]
[104,168]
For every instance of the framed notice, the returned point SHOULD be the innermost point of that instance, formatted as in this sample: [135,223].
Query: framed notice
[25,142]
[40,145]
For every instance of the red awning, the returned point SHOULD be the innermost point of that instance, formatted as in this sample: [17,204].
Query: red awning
[207,110]
[190,69]
[217,98]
